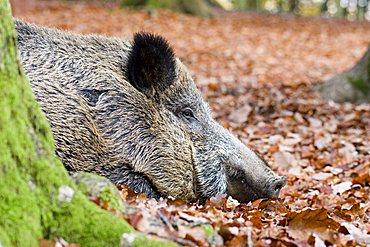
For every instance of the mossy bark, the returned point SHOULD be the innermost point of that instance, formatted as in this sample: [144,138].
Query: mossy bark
[352,85]
[37,197]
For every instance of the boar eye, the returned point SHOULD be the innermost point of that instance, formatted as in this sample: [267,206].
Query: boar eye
[92,95]
[188,113]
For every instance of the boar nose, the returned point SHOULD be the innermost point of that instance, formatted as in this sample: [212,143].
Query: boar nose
[276,185]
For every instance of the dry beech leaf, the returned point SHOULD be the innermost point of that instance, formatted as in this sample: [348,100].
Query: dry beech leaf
[241,114]
[357,234]
[341,187]
[309,221]
[321,176]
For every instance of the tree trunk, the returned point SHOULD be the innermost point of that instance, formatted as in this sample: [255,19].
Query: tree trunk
[352,85]
[194,7]
[38,200]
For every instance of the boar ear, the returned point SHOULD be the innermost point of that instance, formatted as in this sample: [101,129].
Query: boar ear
[151,64]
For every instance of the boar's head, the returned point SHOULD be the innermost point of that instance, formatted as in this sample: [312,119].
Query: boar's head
[189,155]
[131,112]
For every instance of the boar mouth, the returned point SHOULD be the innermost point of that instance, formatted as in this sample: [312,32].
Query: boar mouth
[239,188]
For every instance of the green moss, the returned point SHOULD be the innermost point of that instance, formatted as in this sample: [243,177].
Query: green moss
[99,229]
[360,84]
[133,3]
[33,181]
[368,68]
[20,216]
[4,240]
[144,241]
[168,4]
[139,240]
[95,186]
[194,7]
[208,229]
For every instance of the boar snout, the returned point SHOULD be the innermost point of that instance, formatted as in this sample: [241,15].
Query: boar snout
[248,176]
[275,186]
[242,186]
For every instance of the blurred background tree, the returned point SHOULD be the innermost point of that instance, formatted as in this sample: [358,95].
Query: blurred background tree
[195,7]
[350,9]
[352,85]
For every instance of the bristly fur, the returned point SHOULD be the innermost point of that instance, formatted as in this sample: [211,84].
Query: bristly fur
[150,64]
[117,108]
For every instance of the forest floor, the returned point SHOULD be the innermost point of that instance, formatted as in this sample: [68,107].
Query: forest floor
[258,72]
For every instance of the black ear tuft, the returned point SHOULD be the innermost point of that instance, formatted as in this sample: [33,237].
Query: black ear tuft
[151,64]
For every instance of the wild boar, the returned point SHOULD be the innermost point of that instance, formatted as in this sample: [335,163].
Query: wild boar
[130,111]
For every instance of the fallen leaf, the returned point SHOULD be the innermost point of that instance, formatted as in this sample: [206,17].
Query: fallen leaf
[341,187]
[323,142]
[241,114]
[357,234]
[309,221]
[321,176]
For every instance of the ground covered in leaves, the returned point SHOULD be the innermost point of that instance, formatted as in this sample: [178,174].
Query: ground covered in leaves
[257,72]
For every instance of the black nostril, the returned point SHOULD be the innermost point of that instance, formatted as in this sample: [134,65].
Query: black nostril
[278,186]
